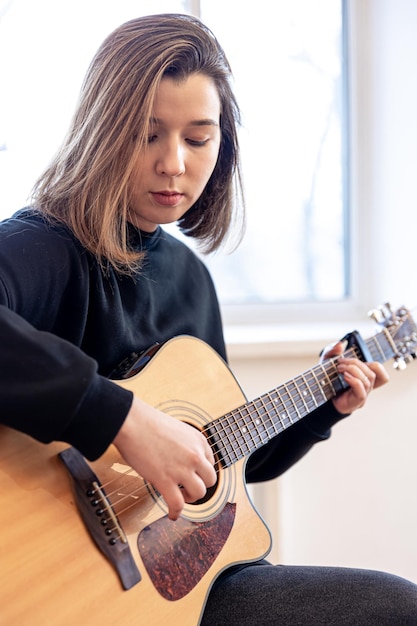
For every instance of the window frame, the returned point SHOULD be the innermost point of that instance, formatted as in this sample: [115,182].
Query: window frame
[359,297]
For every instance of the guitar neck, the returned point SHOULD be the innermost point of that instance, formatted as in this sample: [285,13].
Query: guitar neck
[237,434]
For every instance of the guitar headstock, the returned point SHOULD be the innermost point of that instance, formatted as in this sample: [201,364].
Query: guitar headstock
[402,329]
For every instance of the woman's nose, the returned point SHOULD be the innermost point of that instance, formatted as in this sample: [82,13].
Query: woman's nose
[171,160]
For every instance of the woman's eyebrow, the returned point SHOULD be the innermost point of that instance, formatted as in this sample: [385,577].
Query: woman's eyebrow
[155,121]
[204,122]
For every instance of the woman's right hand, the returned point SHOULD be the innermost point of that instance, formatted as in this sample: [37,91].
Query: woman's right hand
[175,457]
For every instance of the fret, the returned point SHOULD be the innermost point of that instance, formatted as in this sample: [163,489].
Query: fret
[319,386]
[376,348]
[305,398]
[336,381]
[308,388]
[280,409]
[232,433]
[248,428]
[214,432]
[302,395]
[259,407]
[262,409]
[288,404]
[273,405]
[325,380]
[259,425]
[242,433]
[291,390]
[354,352]
[226,440]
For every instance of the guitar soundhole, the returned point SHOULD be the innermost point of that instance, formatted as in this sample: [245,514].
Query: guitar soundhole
[209,494]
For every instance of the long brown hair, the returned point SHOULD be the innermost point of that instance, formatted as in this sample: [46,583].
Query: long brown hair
[86,185]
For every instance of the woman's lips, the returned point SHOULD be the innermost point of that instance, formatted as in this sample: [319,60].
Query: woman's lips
[167,198]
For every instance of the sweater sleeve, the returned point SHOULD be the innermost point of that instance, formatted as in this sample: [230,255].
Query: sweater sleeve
[50,390]
[290,446]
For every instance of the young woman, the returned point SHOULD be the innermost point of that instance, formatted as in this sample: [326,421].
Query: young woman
[88,276]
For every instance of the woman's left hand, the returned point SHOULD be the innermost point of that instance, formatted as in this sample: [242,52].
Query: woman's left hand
[361,377]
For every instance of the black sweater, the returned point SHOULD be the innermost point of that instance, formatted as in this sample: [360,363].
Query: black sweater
[65,325]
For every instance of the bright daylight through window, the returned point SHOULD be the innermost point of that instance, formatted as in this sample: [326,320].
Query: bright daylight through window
[289,68]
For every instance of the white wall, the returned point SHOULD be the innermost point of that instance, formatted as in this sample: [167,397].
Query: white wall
[353,500]
[385,95]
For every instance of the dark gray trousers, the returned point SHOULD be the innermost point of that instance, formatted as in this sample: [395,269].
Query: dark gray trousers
[264,595]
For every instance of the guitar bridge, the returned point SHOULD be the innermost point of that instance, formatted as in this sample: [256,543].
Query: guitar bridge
[96,511]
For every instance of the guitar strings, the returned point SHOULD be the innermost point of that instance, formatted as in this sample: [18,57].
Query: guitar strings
[329,367]
[139,492]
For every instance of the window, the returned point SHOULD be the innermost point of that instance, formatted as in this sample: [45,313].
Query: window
[291,81]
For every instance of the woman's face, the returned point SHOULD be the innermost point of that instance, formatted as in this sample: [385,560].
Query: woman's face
[183,145]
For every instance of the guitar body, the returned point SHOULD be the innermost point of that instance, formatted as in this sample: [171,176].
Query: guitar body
[54,574]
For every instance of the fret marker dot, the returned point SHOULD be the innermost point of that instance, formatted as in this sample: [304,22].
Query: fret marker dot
[257,422]
[244,430]
[305,393]
[322,383]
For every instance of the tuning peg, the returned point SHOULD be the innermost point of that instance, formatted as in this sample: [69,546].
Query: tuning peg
[400,363]
[382,313]
[376,315]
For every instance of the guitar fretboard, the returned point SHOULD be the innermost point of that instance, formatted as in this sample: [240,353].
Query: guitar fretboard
[237,434]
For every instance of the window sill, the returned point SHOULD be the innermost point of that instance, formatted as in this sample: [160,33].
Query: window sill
[245,341]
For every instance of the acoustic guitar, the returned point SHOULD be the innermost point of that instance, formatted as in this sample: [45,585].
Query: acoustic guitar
[91,543]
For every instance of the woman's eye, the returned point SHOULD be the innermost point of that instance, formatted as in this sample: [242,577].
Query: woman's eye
[197,142]
[152,138]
